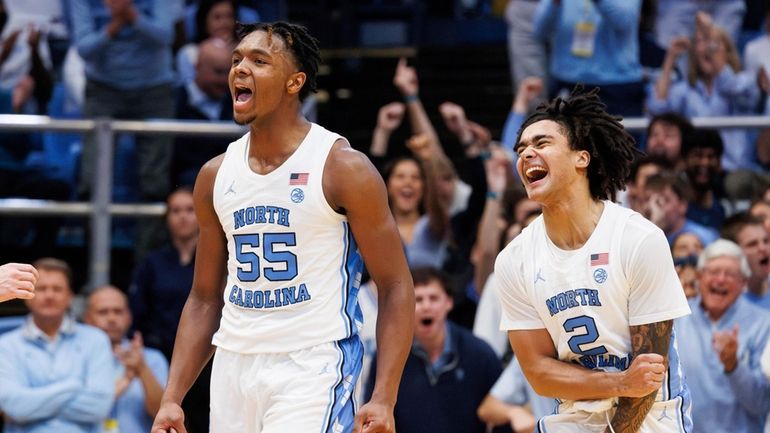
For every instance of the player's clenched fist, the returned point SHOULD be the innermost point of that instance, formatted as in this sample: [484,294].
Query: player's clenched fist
[644,376]
[170,419]
[374,417]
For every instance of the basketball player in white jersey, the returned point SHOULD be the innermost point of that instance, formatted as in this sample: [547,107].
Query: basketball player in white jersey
[589,289]
[283,215]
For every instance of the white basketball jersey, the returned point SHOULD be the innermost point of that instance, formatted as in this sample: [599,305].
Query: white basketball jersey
[587,298]
[293,268]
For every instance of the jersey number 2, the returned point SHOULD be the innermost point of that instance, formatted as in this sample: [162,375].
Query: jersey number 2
[249,271]
[591,335]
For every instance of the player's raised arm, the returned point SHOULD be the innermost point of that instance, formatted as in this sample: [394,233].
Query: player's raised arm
[354,187]
[202,311]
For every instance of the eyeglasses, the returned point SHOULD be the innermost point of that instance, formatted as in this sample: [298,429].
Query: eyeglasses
[727,274]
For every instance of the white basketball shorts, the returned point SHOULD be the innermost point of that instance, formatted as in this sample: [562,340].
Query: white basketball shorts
[664,417]
[307,390]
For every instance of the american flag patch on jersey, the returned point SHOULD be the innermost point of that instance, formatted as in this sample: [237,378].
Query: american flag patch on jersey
[600,259]
[298,178]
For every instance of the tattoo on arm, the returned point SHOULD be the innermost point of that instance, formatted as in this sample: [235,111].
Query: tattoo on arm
[648,338]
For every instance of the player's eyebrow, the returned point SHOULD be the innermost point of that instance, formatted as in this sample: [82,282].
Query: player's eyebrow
[533,139]
[252,51]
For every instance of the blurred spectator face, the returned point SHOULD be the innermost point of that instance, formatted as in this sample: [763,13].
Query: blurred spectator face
[720,284]
[702,165]
[685,250]
[688,277]
[52,296]
[705,49]
[637,191]
[213,66]
[108,311]
[432,305]
[180,217]
[665,139]
[405,186]
[220,21]
[761,210]
[755,243]
[686,245]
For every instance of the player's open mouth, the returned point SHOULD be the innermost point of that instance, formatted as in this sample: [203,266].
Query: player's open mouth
[242,94]
[426,321]
[536,173]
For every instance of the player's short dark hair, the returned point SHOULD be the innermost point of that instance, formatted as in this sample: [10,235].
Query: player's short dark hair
[735,223]
[701,138]
[425,275]
[589,127]
[303,46]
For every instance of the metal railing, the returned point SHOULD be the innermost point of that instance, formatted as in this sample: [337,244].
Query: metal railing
[100,209]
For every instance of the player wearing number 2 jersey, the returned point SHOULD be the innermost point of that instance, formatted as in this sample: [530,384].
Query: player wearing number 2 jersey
[286,215]
[589,289]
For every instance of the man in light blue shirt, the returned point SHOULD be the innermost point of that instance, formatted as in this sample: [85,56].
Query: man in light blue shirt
[721,343]
[55,375]
[141,372]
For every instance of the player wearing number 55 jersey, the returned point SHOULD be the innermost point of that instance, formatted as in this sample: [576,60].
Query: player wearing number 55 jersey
[589,289]
[286,216]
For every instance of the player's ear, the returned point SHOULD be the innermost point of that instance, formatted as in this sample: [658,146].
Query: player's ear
[583,159]
[295,82]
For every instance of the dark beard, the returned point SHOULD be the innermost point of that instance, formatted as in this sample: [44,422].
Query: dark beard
[244,122]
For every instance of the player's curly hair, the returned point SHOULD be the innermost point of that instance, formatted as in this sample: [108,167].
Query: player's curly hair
[303,46]
[589,127]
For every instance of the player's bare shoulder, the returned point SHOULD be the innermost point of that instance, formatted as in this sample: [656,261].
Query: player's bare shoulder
[208,174]
[348,174]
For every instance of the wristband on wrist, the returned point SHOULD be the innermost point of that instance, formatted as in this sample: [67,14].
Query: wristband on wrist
[493,195]
[411,98]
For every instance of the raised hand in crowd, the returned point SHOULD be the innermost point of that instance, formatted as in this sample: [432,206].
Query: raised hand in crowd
[389,118]
[423,148]
[456,121]
[17,280]
[405,79]
[473,137]
[725,344]
[678,46]
[530,89]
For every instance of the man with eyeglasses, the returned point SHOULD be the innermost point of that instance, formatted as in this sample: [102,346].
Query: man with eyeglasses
[721,343]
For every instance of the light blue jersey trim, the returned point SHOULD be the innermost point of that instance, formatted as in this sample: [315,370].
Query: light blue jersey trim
[350,273]
[342,409]
[675,385]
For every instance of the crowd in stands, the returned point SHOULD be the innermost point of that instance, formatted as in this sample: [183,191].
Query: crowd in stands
[708,190]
